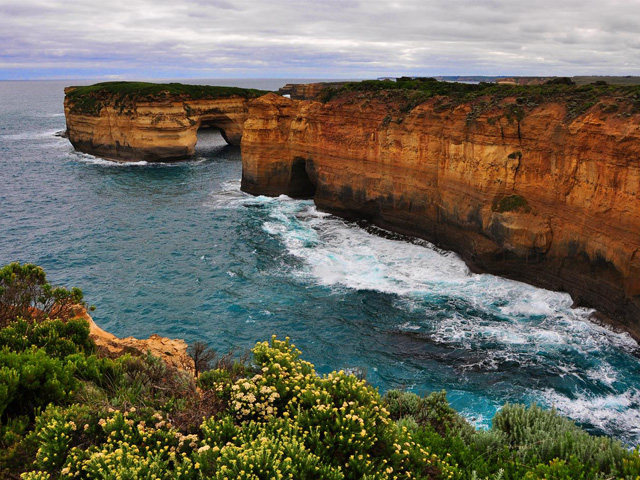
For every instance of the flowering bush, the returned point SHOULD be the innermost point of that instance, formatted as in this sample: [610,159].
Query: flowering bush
[259,450]
[285,421]
[337,417]
[124,445]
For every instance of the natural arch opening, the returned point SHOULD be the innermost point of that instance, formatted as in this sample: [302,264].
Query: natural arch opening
[300,183]
[230,130]
[209,139]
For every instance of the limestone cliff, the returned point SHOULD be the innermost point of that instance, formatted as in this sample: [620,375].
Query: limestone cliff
[547,192]
[130,121]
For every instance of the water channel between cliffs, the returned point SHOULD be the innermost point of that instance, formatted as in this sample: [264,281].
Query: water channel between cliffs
[178,250]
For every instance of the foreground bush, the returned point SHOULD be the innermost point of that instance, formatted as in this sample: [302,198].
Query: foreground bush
[32,379]
[67,413]
[522,443]
[282,420]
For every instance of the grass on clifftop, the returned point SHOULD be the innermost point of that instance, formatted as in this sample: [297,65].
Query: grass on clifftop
[412,92]
[68,411]
[90,99]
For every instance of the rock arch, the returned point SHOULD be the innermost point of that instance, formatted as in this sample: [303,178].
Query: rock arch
[154,131]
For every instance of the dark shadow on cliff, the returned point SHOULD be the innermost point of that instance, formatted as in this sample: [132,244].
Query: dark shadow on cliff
[301,185]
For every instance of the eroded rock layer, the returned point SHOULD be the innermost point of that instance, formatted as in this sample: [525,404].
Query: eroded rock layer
[536,193]
[172,351]
[155,129]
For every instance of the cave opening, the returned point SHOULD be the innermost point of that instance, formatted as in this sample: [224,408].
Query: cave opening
[301,185]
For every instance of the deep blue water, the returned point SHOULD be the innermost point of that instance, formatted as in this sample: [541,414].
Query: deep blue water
[178,250]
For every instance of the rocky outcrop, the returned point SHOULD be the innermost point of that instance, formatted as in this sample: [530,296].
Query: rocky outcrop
[545,193]
[158,128]
[308,91]
[172,351]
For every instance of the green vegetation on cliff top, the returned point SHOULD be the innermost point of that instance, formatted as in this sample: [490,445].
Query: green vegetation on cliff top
[90,99]
[412,92]
[68,410]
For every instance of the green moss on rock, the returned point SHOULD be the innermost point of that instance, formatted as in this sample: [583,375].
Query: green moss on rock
[511,203]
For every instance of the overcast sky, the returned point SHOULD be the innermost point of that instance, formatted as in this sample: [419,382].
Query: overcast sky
[319,39]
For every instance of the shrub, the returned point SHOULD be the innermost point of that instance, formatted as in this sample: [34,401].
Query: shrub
[15,453]
[202,357]
[32,379]
[133,445]
[540,436]
[270,450]
[340,418]
[58,338]
[401,404]
[134,382]
[433,411]
[25,292]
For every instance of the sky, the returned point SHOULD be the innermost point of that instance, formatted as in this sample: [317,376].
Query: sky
[131,39]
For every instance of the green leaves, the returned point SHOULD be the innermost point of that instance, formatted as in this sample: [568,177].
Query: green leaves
[25,293]
[33,379]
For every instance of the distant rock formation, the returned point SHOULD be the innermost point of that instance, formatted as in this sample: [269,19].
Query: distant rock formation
[157,126]
[307,91]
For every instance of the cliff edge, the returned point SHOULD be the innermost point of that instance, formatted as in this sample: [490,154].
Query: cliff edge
[539,184]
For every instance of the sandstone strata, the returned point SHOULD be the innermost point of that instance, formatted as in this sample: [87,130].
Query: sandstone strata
[154,129]
[548,198]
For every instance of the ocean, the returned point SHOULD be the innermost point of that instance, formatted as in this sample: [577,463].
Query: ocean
[178,250]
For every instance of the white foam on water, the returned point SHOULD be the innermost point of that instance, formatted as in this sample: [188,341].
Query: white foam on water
[49,115]
[93,160]
[616,413]
[604,373]
[337,253]
[503,321]
[30,135]
[409,326]
[230,197]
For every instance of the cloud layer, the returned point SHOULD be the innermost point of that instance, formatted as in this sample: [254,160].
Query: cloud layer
[325,39]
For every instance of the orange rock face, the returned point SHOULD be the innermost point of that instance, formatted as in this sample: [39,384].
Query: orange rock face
[543,198]
[172,351]
[154,130]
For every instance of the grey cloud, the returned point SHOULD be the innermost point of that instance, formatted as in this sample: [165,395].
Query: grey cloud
[332,38]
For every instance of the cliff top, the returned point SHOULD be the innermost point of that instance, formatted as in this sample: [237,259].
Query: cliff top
[90,99]
[412,92]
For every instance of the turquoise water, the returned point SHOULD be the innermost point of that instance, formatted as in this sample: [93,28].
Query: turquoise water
[178,250]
